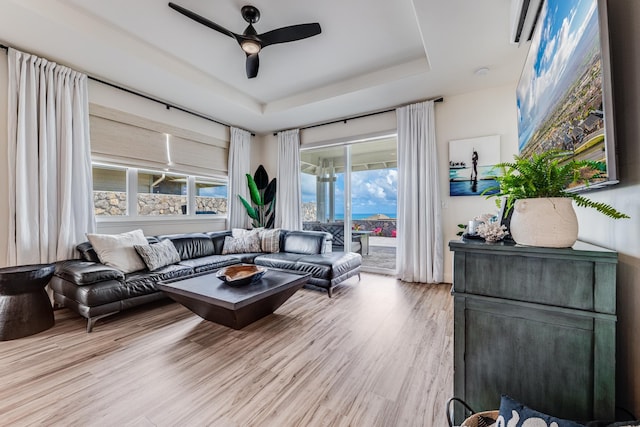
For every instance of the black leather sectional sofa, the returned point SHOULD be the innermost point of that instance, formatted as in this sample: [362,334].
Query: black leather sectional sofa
[95,290]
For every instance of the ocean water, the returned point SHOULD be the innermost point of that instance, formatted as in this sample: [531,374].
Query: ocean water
[340,216]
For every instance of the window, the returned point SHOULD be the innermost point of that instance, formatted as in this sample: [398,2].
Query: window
[155,193]
[161,194]
[211,196]
[109,191]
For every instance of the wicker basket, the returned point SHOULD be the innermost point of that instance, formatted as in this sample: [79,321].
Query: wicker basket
[475,420]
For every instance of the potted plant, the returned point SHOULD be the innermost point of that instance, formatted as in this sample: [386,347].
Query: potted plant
[263,196]
[538,190]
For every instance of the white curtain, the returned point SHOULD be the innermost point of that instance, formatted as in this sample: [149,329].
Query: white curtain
[239,165]
[288,193]
[420,240]
[49,160]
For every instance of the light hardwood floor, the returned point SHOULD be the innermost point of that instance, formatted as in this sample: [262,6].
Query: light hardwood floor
[379,353]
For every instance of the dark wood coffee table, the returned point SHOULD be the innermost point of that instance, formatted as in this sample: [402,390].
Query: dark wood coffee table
[235,307]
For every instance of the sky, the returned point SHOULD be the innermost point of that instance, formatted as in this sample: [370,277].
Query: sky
[549,69]
[373,191]
[220,191]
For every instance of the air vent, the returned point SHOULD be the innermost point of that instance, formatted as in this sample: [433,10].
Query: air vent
[524,14]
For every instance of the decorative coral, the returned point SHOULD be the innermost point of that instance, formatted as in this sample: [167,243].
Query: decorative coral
[492,231]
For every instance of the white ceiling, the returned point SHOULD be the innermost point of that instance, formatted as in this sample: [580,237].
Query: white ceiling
[371,54]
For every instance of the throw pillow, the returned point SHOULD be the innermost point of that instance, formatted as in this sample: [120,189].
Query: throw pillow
[515,414]
[270,240]
[117,251]
[241,232]
[158,255]
[241,245]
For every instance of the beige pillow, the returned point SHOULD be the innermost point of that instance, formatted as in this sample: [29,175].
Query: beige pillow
[270,240]
[241,245]
[158,255]
[117,250]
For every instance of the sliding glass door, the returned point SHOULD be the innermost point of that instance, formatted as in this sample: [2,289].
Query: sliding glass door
[350,190]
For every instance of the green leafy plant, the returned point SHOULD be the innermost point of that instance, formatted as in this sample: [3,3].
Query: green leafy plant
[550,174]
[262,209]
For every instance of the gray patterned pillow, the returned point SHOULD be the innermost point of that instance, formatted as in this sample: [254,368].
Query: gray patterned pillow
[241,245]
[158,255]
[270,240]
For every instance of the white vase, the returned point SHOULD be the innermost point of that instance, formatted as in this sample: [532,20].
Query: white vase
[547,222]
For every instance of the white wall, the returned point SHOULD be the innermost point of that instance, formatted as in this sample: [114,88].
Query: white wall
[488,112]
[264,151]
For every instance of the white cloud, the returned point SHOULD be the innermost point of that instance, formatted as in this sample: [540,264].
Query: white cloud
[372,191]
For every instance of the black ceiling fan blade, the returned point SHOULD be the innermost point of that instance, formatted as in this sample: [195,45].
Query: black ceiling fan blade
[253,62]
[290,34]
[204,21]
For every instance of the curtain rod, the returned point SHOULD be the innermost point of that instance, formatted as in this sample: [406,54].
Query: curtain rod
[167,105]
[346,119]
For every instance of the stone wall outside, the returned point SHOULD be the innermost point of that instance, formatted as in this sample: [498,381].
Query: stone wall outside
[114,203]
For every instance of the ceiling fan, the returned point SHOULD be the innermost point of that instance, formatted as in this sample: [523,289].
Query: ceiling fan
[250,41]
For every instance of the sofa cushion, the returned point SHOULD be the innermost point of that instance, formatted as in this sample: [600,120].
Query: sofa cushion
[304,242]
[139,283]
[192,245]
[218,239]
[87,252]
[91,295]
[116,250]
[85,272]
[158,255]
[329,265]
[211,262]
[136,284]
[247,258]
[279,260]
[239,245]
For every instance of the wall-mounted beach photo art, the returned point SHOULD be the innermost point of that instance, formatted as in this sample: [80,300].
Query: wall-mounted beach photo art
[472,165]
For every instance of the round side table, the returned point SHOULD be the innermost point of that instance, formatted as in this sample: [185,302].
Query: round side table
[25,308]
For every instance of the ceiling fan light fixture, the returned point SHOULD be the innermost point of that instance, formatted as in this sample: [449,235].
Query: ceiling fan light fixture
[250,41]
[250,46]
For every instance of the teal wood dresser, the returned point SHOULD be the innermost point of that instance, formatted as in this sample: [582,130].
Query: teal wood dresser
[537,324]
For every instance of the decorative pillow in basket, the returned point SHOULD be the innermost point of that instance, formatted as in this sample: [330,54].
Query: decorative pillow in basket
[481,419]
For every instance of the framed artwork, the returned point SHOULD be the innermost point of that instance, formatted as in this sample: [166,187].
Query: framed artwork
[472,165]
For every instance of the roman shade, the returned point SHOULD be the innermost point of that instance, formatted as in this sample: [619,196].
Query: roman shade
[129,140]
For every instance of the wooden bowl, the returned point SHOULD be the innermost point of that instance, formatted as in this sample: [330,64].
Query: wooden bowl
[241,274]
